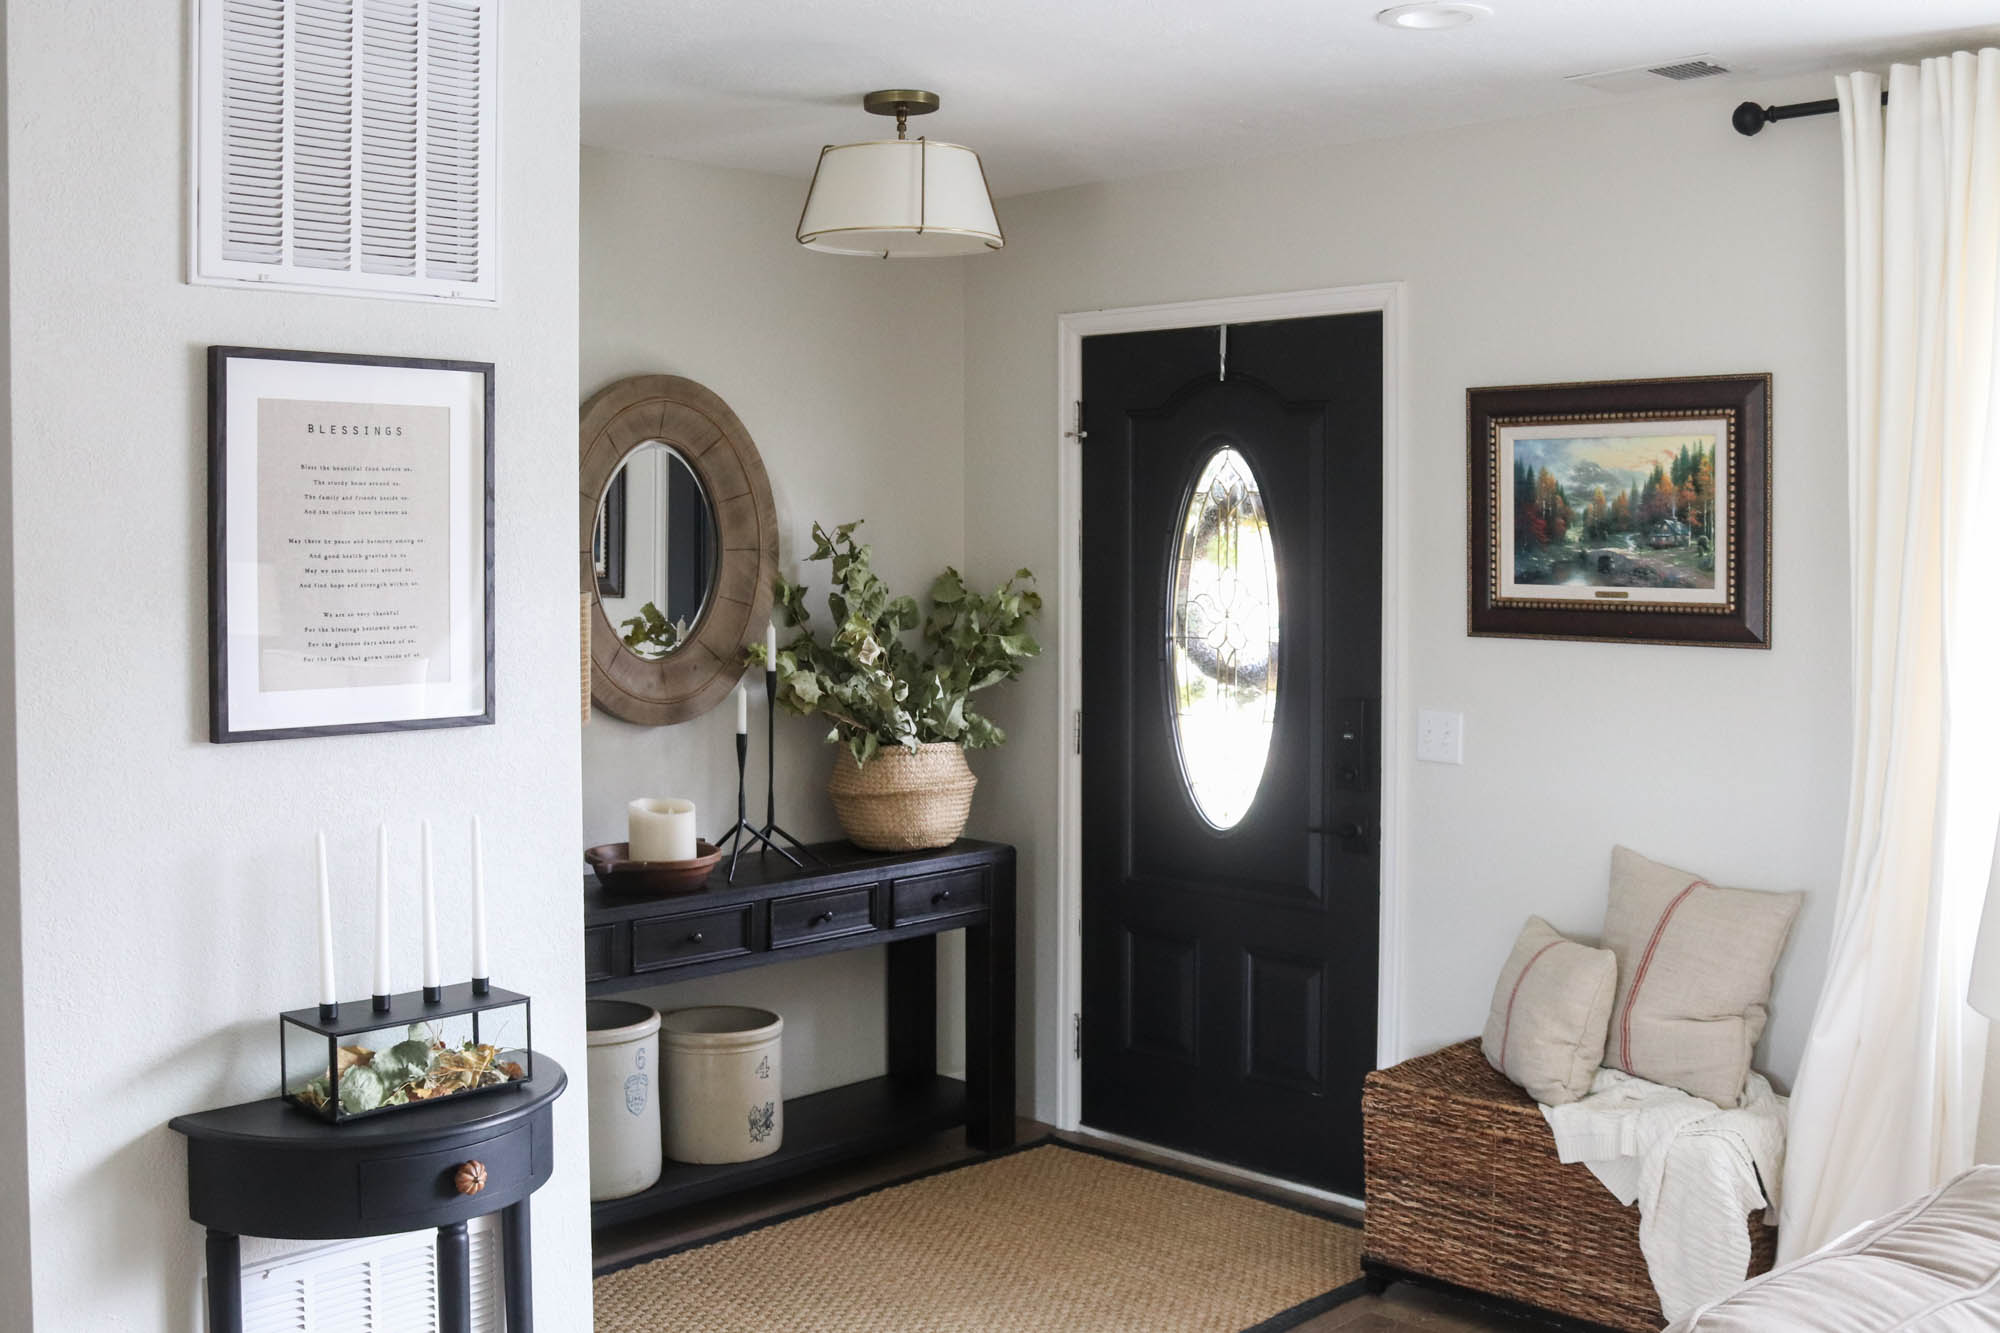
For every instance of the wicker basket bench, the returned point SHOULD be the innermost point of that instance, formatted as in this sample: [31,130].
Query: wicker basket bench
[1464,1188]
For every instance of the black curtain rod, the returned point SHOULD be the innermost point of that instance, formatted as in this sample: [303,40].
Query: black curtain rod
[1748,118]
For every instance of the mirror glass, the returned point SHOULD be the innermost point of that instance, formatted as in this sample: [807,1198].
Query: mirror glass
[654,550]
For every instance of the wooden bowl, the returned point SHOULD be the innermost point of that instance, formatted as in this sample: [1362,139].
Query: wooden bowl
[620,875]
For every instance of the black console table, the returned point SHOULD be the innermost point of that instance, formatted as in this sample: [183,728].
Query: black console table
[270,1169]
[849,899]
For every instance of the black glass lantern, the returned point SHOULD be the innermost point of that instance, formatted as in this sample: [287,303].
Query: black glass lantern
[366,1061]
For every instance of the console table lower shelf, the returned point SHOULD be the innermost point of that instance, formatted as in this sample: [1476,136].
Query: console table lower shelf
[824,1129]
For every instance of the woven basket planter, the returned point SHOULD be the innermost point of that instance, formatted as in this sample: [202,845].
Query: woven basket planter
[903,800]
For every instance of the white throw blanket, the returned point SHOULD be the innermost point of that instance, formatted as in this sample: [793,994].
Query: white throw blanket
[1696,1171]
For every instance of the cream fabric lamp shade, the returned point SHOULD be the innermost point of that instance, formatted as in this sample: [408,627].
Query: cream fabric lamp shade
[899,199]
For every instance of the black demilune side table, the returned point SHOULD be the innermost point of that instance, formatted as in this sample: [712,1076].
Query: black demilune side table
[270,1169]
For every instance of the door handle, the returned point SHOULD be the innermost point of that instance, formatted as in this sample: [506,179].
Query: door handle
[1347,830]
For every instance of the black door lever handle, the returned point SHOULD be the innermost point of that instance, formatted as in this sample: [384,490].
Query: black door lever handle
[1348,830]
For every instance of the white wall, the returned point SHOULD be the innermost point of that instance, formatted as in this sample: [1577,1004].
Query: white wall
[849,375]
[1640,239]
[15,1256]
[164,880]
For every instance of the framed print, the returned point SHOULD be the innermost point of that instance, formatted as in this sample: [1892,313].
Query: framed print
[1635,511]
[350,543]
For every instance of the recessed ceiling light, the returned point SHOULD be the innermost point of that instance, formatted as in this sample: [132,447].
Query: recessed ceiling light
[1433,15]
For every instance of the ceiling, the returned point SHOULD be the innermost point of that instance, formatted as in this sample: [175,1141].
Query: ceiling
[1060,92]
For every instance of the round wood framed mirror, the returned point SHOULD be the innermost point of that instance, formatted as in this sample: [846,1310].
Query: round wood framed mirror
[679,547]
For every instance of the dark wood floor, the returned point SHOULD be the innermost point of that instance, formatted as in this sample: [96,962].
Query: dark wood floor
[1401,1310]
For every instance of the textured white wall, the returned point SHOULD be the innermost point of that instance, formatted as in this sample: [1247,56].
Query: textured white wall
[849,375]
[15,1256]
[1641,239]
[165,893]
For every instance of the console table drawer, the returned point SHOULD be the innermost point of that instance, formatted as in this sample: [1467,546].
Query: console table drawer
[664,941]
[817,916]
[423,1182]
[928,897]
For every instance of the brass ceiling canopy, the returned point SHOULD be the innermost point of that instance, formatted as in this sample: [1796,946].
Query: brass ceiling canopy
[902,103]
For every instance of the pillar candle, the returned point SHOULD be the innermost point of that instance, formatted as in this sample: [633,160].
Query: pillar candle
[742,711]
[327,994]
[478,904]
[431,973]
[382,911]
[661,828]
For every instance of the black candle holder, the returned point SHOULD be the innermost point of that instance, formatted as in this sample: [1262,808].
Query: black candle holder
[743,831]
[771,773]
[318,1046]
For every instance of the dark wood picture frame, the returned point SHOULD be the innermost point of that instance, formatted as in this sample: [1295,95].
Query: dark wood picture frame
[1741,620]
[219,357]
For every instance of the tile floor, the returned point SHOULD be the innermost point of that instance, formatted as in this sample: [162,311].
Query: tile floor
[1401,1309]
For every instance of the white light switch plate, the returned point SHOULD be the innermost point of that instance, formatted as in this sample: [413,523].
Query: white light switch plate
[1440,737]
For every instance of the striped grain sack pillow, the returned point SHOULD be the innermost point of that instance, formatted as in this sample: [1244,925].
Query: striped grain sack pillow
[1545,1029]
[1694,975]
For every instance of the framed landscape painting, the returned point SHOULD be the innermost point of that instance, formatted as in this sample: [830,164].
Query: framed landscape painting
[1633,511]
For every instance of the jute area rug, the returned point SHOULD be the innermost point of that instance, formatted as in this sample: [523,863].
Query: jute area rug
[1046,1239]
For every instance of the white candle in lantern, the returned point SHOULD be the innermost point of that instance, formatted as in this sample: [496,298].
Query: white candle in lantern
[478,904]
[771,646]
[431,977]
[327,993]
[661,828]
[382,911]
[742,711]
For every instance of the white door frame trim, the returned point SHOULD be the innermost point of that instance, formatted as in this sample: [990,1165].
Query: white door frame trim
[1389,299]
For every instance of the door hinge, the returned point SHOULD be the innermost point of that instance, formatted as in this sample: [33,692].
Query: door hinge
[1076,731]
[1076,1036]
[1076,430]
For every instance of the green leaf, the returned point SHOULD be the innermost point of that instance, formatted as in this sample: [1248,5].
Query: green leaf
[361,1089]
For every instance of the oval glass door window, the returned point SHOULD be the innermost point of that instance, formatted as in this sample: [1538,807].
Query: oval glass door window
[1223,627]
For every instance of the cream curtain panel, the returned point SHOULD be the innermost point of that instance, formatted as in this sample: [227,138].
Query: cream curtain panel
[1887,1097]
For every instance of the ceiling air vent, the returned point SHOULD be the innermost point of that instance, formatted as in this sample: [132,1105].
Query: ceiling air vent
[1688,69]
[347,146]
[1638,78]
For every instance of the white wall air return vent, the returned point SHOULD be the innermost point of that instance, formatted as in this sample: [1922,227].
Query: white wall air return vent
[378,1286]
[348,146]
[1639,78]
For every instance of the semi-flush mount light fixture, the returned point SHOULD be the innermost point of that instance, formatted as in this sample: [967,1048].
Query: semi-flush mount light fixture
[1433,15]
[899,198]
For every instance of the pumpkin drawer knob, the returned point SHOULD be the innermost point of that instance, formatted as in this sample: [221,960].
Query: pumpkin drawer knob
[471,1178]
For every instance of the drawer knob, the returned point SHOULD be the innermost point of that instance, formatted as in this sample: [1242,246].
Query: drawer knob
[822,919]
[941,896]
[696,938]
[471,1178]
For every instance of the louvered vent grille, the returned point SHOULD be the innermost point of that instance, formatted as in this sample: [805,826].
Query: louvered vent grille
[1688,69]
[348,145]
[380,1286]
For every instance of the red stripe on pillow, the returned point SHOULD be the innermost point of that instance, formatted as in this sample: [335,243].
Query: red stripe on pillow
[1507,1025]
[1639,974]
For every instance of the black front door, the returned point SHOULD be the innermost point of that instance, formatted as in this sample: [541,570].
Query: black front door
[1232,636]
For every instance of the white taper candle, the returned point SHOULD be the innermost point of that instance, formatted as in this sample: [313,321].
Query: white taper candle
[431,979]
[742,711]
[771,646]
[382,911]
[478,904]
[327,993]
